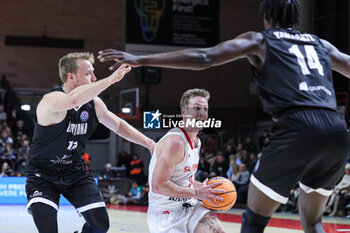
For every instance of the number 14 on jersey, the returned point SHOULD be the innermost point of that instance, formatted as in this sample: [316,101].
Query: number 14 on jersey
[312,59]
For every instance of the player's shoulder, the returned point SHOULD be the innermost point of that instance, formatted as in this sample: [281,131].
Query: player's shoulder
[52,96]
[327,45]
[173,142]
[252,35]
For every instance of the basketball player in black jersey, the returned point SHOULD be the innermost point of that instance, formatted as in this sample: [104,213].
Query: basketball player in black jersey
[66,117]
[309,142]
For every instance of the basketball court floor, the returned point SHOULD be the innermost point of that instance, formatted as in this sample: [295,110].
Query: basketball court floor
[124,219]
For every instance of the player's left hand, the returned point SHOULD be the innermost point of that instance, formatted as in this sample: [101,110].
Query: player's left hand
[119,57]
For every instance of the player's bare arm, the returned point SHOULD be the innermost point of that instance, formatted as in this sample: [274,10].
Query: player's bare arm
[170,152]
[52,108]
[245,45]
[121,127]
[340,61]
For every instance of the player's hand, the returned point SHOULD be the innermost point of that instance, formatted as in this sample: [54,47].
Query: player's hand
[119,57]
[208,192]
[119,74]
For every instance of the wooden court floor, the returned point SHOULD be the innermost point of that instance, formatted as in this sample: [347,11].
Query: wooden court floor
[124,219]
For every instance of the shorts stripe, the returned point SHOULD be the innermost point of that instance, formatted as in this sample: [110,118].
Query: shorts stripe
[321,191]
[268,191]
[42,200]
[91,206]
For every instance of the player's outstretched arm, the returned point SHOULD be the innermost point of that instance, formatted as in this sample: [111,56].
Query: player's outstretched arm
[340,61]
[170,152]
[59,102]
[121,127]
[196,59]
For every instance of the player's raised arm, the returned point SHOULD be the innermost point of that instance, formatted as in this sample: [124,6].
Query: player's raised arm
[195,59]
[121,127]
[59,101]
[340,61]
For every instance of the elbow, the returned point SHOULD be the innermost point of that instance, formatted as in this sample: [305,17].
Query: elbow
[156,188]
[201,60]
[204,61]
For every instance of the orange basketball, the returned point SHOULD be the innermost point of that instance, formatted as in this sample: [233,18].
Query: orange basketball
[229,196]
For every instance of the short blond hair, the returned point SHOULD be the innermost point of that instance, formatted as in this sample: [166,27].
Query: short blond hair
[68,63]
[193,92]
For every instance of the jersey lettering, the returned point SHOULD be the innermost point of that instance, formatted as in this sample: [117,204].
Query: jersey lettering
[77,129]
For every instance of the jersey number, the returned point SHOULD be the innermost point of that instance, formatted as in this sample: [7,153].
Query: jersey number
[191,181]
[311,56]
[72,145]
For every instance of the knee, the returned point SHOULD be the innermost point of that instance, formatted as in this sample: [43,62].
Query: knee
[315,227]
[101,226]
[97,220]
[252,222]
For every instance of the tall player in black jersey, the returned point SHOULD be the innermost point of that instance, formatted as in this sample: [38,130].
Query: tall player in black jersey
[309,142]
[66,117]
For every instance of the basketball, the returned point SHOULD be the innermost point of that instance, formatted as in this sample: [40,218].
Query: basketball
[230,195]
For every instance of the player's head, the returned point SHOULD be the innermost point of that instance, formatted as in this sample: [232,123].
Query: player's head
[347,168]
[77,68]
[194,104]
[281,13]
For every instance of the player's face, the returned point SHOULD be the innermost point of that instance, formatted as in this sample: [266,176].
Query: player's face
[197,108]
[267,24]
[84,74]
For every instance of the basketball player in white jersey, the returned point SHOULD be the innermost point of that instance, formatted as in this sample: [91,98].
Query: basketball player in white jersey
[173,197]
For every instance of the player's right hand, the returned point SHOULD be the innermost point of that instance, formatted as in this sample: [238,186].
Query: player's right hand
[119,57]
[209,192]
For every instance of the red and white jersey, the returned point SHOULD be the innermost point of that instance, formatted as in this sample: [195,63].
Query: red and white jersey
[183,174]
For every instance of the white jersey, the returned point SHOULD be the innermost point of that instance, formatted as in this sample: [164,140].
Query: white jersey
[183,174]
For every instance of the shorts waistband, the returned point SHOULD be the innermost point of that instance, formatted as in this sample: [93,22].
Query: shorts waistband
[51,171]
[277,115]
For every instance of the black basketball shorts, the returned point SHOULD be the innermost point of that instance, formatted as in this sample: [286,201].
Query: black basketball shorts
[309,146]
[79,188]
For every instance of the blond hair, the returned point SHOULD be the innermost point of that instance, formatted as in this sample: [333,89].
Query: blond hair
[193,92]
[68,63]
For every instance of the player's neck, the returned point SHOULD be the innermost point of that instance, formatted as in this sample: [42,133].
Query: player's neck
[66,88]
[192,135]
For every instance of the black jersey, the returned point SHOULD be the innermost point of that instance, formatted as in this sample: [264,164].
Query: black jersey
[297,72]
[59,146]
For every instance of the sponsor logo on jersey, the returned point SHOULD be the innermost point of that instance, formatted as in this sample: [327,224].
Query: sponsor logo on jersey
[151,120]
[179,199]
[84,116]
[304,87]
[77,129]
[63,161]
[191,168]
[36,194]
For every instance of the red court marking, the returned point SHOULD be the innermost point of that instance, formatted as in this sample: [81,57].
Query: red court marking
[136,208]
[236,218]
